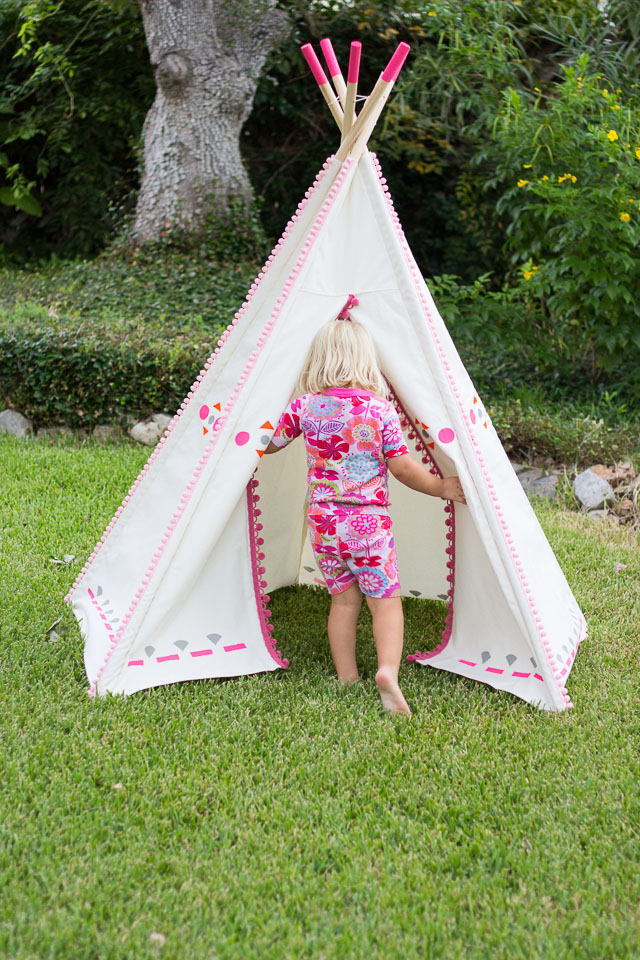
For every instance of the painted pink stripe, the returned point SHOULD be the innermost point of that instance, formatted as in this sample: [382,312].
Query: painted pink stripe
[516,673]
[172,656]
[102,616]
[469,663]
[136,663]
[201,653]
[538,677]
[236,646]
[494,670]
[91,593]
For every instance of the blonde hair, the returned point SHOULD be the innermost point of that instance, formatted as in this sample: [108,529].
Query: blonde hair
[342,354]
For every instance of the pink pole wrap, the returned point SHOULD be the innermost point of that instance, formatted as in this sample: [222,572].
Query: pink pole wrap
[354,62]
[314,64]
[394,66]
[330,57]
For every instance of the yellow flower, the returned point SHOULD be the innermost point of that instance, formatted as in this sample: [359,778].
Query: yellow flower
[616,106]
[522,183]
[528,274]
[431,13]
[625,217]
[537,89]
[545,177]
[527,166]
[612,135]
[573,179]
[605,92]
[638,153]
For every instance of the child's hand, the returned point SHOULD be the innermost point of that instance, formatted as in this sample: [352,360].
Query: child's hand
[452,490]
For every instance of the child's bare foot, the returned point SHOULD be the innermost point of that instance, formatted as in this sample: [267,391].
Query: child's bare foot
[390,692]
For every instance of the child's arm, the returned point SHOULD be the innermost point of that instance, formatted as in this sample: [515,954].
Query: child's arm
[414,475]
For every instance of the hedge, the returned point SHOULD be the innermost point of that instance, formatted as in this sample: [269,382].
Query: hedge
[81,377]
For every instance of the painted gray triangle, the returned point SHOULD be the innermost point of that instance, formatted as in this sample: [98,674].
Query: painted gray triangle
[443,596]
[116,620]
[149,651]
[511,659]
[213,637]
[485,656]
[181,644]
[415,593]
[559,658]
[535,665]
[309,569]
[99,592]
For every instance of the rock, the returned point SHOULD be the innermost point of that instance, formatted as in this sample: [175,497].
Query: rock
[528,476]
[538,483]
[162,419]
[591,490]
[519,467]
[105,431]
[598,514]
[146,431]
[54,433]
[13,422]
[545,486]
[150,431]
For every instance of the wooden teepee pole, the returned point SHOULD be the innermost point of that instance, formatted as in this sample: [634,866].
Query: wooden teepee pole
[352,87]
[321,79]
[334,69]
[355,142]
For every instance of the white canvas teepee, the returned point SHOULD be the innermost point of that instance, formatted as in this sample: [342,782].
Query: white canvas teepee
[177,588]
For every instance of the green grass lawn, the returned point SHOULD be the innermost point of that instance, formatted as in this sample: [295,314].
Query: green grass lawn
[279,816]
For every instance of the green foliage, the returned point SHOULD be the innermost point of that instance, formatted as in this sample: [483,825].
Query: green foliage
[83,342]
[568,164]
[76,85]
[535,430]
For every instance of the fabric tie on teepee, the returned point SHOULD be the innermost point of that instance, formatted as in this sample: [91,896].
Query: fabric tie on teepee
[351,302]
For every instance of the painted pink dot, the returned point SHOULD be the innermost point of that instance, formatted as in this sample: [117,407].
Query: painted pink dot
[472,416]
[204,411]
[242,438]
[446,435]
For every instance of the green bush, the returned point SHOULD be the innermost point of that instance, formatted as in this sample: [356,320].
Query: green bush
[87,376]
[569,164]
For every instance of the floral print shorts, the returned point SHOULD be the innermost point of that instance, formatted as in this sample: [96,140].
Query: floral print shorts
[352,546]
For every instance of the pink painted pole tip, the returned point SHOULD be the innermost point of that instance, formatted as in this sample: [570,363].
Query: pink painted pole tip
[394,66]
[314,64]
[354,62]
[330,57]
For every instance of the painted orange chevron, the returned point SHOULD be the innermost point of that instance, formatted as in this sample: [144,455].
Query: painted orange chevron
[260,453]
[204,430]
[217,406]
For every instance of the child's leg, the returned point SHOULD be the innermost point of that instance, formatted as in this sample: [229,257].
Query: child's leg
[343,618]
[388,632]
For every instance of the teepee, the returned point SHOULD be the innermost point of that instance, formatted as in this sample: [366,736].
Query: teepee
[178,586]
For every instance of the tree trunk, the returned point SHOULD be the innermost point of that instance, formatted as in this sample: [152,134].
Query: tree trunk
[207,56]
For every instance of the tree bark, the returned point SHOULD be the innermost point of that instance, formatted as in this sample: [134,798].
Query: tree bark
[207,56]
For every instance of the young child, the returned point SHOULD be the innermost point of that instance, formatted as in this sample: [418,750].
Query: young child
[353,436]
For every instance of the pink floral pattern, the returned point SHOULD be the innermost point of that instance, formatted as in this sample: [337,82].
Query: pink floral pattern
[353,546]
[349,436]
